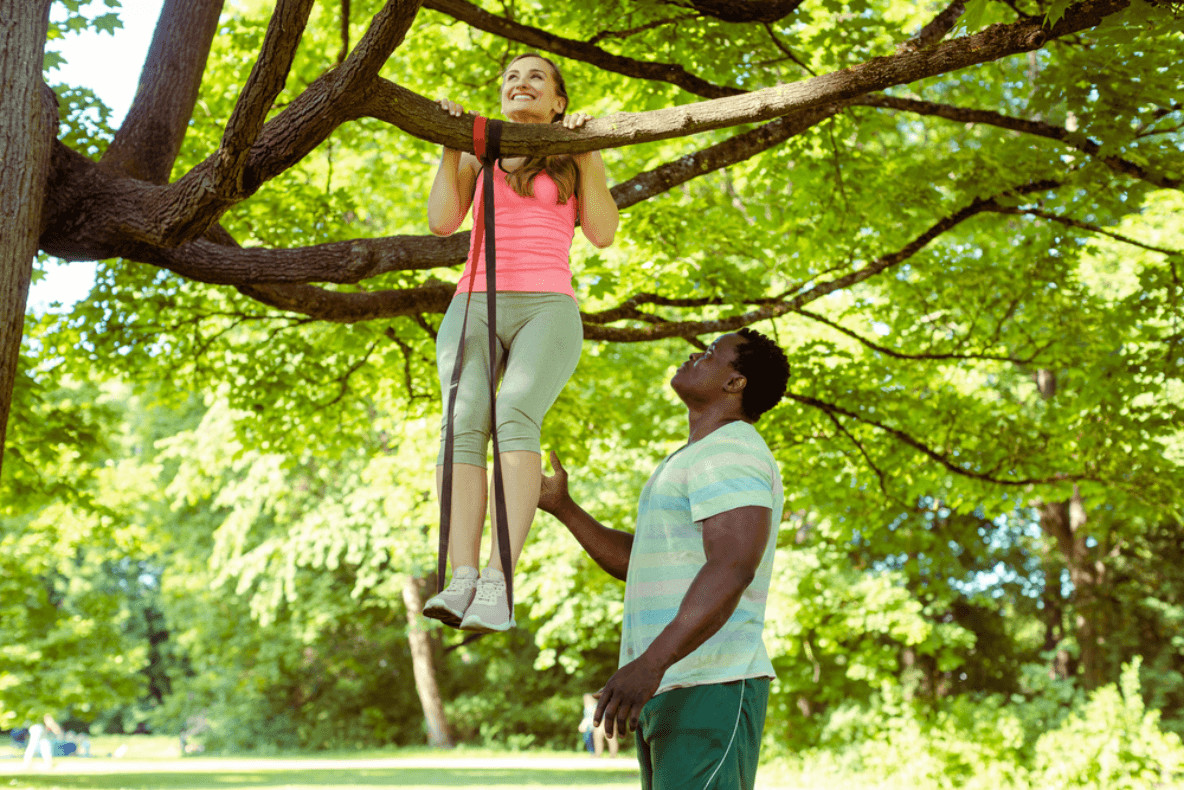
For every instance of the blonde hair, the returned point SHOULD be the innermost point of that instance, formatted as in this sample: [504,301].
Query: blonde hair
[561,167]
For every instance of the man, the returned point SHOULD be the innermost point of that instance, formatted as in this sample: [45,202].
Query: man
[694,675]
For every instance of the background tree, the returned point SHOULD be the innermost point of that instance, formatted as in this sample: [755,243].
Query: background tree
[961,220]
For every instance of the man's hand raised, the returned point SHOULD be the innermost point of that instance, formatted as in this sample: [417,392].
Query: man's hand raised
[553,491]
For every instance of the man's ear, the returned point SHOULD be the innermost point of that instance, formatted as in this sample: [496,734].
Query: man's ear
[736,383]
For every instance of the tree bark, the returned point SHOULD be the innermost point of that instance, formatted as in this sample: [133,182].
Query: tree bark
[423,665]
[1064,522]
[28,125]
[150,137]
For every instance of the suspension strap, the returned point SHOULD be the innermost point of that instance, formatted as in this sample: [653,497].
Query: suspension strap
[487,145]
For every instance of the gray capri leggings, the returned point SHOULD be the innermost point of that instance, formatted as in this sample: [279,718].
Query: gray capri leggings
[540,336]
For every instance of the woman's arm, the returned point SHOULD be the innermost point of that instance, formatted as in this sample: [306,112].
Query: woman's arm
[598,211]
[452,191]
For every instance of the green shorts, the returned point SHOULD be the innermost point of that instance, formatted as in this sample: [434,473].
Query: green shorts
[703,737]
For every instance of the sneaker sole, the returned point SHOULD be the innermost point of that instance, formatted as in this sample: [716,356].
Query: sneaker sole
[479,626]
[443,614]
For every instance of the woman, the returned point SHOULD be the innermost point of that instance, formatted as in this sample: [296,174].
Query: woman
[536,202]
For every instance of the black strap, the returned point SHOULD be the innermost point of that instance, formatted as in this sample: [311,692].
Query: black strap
[483,231]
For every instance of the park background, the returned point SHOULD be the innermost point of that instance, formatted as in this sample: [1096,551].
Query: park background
[218,515]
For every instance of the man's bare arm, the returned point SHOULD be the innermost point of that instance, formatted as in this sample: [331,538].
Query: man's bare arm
[608,547]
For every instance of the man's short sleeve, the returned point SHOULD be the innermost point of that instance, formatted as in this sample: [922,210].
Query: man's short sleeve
[727,475]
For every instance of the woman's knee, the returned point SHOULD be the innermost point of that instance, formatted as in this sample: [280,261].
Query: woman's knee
[518,430]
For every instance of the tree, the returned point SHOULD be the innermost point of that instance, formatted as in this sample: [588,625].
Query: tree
[123,205]
[941,219]
[27,135]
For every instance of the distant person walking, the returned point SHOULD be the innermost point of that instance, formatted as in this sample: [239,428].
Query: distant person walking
[42,739]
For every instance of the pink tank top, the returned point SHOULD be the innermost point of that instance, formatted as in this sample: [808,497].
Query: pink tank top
[533,238]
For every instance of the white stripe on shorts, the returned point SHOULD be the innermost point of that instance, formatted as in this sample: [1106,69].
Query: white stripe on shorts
[732,740]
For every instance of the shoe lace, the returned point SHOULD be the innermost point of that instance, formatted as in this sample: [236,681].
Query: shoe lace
[460,585]
[491,592]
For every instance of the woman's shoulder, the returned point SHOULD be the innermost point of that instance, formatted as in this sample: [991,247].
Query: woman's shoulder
[469,163]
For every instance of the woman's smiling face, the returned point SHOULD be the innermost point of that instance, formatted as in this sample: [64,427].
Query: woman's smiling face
[530,92]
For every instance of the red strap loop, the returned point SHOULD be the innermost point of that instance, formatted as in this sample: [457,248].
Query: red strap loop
[479,137]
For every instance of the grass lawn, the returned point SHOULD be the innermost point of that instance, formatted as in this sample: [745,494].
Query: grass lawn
[154,763]
[395,773]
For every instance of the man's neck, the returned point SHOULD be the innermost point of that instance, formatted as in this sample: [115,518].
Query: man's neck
[705,421]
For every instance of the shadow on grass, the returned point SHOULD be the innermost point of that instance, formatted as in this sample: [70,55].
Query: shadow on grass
[392,778]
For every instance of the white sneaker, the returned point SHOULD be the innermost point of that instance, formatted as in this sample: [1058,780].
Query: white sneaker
[490,610]
[449,605]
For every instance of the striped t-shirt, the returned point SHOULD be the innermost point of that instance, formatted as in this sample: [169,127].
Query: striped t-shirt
[728,469]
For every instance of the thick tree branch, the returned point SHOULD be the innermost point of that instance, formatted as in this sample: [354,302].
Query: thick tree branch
[336,262]
[285,140]
[588,52]
[422,118]
[352,261]
[746,10]
[1038,128]
[627,310]
[735,149]
[201,196]
[917,444]
[387,30]
[149,140]
[77,237]
[351,307]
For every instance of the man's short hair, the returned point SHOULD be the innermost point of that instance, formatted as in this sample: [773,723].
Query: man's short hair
[763,364]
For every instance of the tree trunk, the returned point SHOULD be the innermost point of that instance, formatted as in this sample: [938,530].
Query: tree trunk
[28,125]
[1063,524]
[1063,521]
[423,664]
[1053,613]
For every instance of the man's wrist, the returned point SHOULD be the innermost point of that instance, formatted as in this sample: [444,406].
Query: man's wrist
[564,508]
[655,662]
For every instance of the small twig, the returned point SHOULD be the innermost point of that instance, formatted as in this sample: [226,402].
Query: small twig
[902,355]
[862,451]
[344,32]
[787,51]
[1076,223]
[603,34]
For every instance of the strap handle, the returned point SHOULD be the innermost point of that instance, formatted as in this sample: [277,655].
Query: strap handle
[487,145]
